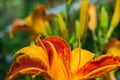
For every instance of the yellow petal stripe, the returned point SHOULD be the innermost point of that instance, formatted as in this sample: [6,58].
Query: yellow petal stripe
[79,57]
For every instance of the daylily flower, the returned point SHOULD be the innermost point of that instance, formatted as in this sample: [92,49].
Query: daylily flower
[53,58]
[113,46]
[34,23]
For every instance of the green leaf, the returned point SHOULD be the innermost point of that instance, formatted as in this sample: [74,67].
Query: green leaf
[63,27]
[48,27]
[77,27]
[83,19]
[104,19]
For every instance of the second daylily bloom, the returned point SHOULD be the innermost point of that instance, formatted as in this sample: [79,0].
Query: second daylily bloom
[34,23]
[113,46]
[52,58]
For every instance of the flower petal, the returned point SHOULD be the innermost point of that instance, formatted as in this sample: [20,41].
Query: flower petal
[113,42]
[34,23]
[98,67]
[37,20]
[63,52]
[35,52]
[18,26]
[57,67]
[56,63]
[114,51]
[79,57]
[27,65]
[113,47]
[61,46]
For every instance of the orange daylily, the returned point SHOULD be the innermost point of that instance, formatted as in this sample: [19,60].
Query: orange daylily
[113,46]
[53,58]
[34,23]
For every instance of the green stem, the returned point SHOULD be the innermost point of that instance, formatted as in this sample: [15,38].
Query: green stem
[104,41]
[68,6]
[30,77]
[27,77]
[109,32]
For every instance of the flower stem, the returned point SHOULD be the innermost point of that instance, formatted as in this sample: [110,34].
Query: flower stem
[109,32]
[30,77]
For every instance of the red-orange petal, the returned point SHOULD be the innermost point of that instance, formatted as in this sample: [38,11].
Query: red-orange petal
[61,46]
[63,51]
[59,56]
[27,65]
[57,67]
[113,42]
[50,52]
[98,67]
[18,26]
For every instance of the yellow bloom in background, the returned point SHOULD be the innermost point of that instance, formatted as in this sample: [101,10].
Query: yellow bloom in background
[113,46]
[53,58]
[93,17]
[93,20]
[34,23]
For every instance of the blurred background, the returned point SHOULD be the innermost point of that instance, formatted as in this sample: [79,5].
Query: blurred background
[12,9]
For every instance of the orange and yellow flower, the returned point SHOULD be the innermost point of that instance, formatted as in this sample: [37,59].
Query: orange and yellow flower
[113,46]
[34,23]
[53,58]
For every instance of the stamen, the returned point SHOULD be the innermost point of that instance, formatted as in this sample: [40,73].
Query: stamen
[40,43]
[79,46]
